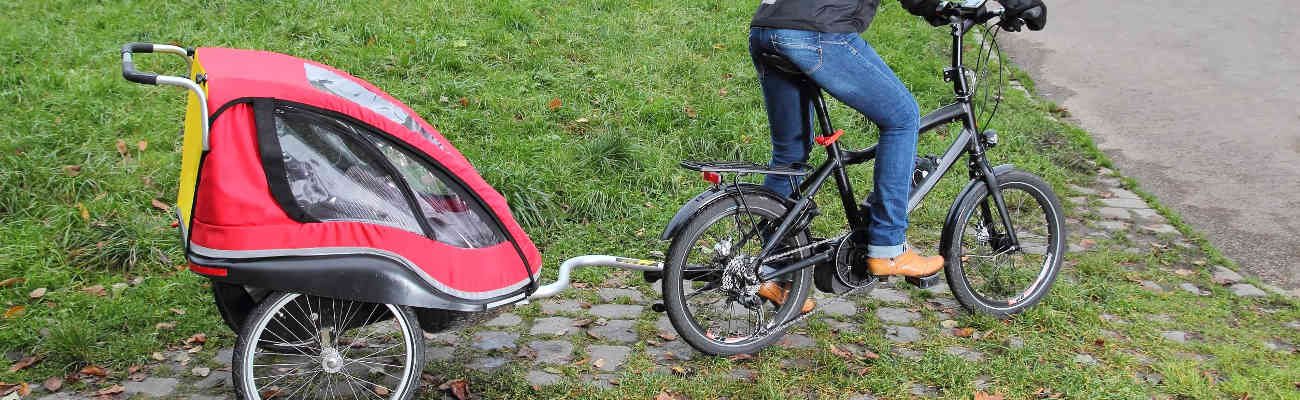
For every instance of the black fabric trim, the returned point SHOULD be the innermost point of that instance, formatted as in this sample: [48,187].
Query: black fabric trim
[268,145]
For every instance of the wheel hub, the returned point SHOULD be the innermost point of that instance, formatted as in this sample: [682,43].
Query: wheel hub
[331,360]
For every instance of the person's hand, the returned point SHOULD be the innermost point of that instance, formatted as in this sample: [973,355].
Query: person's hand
[928,9]
[1031,13]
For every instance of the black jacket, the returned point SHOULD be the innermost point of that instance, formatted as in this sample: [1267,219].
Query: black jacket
[833,16]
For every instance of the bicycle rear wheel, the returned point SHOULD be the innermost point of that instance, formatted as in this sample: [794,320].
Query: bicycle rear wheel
[984,271]
[727,318]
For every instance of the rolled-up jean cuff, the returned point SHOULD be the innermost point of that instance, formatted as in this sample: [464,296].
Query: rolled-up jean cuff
[875,251]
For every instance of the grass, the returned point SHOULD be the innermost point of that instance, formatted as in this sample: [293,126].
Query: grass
[642,85]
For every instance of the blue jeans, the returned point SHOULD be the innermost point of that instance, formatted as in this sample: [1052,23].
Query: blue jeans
[845,66]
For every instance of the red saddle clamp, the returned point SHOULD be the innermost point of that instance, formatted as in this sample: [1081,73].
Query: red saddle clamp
[827,140]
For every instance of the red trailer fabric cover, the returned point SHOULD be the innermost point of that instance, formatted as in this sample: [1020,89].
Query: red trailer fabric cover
[236,215]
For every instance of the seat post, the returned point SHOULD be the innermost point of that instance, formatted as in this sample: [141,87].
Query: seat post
[819,106]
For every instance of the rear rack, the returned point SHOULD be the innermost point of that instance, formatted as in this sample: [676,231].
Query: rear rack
[744,167]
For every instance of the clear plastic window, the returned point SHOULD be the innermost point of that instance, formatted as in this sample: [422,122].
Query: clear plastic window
[332,83]
[453,219]
[332,178]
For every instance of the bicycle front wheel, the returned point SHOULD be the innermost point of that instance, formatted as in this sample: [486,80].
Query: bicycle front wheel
[985,272]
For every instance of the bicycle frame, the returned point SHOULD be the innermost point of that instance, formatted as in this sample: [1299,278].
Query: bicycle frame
[838,160]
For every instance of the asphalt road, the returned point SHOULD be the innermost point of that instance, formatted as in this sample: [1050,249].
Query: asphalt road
[1197,100]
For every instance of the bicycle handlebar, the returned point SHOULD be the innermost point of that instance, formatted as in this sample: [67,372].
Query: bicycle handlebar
[150,78]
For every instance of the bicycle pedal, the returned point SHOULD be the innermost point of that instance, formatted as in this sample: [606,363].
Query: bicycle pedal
[659,307]
[925,282]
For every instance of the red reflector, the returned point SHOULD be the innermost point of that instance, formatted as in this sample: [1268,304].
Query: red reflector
[201,270]
[175,224]
[827,140]
[712,177]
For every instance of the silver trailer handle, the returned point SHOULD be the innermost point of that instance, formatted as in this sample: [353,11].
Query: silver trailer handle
[562,281]
[149,78]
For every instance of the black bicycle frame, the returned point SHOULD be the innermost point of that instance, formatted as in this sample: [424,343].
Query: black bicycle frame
[837,161]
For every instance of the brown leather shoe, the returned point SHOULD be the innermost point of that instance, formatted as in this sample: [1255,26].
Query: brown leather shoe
[776,293]
[907,264]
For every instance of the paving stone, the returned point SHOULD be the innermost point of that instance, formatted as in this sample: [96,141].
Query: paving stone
[1279,346]
[665,326]
[1103,171]
[494,340]
[611,294]
[215,379]
[897,315]
[1124,203]
[741,374]
[1115,213]
[1111,182]
[620,311]
[63,396]
[1190,288]
[552,351]
[1085,359]
[675,350]
[889,295]
[560,306]
[1109,334]
[940,288]
[1159,318]
[862,396]
[619,330]
[1280,291]
[1114,319]
[445,337]
[224,356]
[1074,248]
[613,356]
[1175,336]
[505,320]
[153,387]
[1149,378]
[1224,276]
[920,390]
[553,326]
[1160,229]
[965,353]
[838,308]
[908,353]
[946,303]
[1123,194]
[1082,190]
[1113,226]
[797,341]
[1148,215]
[982,382]
[840,326]
[439,353]
[1152,286]
[600,381]
[1200,358]
[1247,290]
[796,363]
[541,378]
[486,364]
[1293,325]
[1013,342]
[902,334]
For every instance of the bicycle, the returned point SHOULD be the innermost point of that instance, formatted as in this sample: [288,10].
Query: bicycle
[712,273]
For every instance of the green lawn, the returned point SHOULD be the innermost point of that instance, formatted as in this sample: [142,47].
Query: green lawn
[642,84]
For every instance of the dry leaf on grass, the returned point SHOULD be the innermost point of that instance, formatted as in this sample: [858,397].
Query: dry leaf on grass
[10,281]
[85,214]
[164,326]
[555,104]
[14,311]
[160,205]
[159,356]
[201,371]
[38,293]
[53,384]
[986,396]
[741,357]
[94,370]
[141,145]
[178,311]
[72,170]
[691,113]
[199,338]
[24,363]
[121,147]
[97,290]
[841,352]
[964,332]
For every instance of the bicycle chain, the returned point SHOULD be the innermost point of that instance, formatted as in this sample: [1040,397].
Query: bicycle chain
[835,238]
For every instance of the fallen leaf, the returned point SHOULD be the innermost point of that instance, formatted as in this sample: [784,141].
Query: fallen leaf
[72,170]
[97,290]
[160,205]
[85,214]
[24,363]
[582,322]
[121,147]
[165,326]
[667,337]
[599,363]
[653,342]
[460,389]
[10,281]
[93,370]
[158,356]
[581,120]
[14,311]
[178,311]
[380,390]
[870,355]
[1183,272]
[719,46]
[141,145]
[690,113]
[727,76]
[53,384]
[201,371]
[38,293]
[741,357]
[271,392]
[722,92]
[986,396]
[554,104]
[841,352]
[464,102]
[133,369]
[964,332]
[864,371]
[137,377]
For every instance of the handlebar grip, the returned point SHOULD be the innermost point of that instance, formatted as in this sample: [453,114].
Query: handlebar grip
[128,66]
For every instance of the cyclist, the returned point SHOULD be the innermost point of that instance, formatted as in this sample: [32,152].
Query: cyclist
[821,37]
